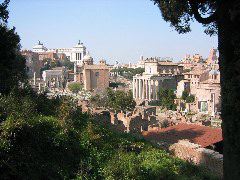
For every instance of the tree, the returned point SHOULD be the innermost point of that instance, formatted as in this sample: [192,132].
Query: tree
[220,17]
[12,64]
[128,73]
[67,63]
[115,100]
[190,99]
[185,94]
[75,87]
[166,98]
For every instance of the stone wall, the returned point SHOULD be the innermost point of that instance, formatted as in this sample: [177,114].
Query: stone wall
[135,122]
[193,153]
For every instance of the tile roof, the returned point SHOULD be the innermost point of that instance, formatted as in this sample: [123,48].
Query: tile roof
[197,134]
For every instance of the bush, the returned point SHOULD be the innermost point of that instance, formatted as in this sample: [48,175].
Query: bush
[190,99]
[70,145]
[128,73]
[75,87]
[114,100]
[38,148]
[151,163]
[185,94]
[166,99]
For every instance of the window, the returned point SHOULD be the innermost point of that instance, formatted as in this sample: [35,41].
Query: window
[203,106]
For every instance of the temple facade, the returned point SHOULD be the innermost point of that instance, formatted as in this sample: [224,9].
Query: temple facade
[158,74]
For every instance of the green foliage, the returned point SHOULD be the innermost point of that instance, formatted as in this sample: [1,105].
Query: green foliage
[116,84]
[186,70]
[180,15]
[75,87]
[38,148]
[151,163]
[128,73]
[25,103]
[166,98]
[190,98]
[69,145]
[3,11]
[52,139]
[185,94]
[115,100]
[49,64]
[12,64]
[67,63]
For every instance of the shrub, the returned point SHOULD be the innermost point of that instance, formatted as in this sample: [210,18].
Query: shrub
[75,87]
[190,98]
[38,148]
[185,94]
[166,99]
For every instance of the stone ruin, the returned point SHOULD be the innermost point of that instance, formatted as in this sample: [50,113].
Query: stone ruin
[195,154]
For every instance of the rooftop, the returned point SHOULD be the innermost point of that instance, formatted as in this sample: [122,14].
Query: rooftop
[96,66]
[197,134]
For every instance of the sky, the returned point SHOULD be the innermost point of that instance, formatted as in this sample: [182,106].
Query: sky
[115,30]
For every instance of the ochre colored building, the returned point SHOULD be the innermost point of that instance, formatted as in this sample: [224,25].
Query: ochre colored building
[94,77]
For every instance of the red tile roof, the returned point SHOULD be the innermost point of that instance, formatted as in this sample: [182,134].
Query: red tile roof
[197,134]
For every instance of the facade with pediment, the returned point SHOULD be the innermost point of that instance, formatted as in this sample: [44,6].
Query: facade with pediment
[158,74]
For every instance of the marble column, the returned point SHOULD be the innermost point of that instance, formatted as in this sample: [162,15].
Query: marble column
[143,94]
[136,88]
[34,78]
[139,89]
[157,89]
[39,87]
[153,90]
[133,88]
[149,90]
[145,89]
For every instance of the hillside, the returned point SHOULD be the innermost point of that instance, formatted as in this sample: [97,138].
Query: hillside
[52,139]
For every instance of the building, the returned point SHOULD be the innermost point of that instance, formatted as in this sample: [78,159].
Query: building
[33,64]
[94,77]
[74,54]
[212,57]
[183,85]
[208,93]
[204,84]
[55,78]
[158,74]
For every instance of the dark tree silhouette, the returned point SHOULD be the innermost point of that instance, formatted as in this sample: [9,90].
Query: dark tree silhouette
[220,17]
[12,63]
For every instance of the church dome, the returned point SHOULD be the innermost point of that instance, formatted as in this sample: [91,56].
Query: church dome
[87,59]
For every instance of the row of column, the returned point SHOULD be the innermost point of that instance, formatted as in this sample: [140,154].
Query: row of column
[144,89]
[56,82]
